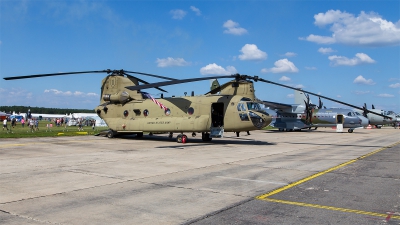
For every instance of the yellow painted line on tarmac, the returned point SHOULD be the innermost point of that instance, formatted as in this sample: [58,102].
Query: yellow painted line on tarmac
[332,208]
[265,196]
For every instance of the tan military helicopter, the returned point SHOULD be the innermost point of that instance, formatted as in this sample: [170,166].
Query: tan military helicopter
[128,110]
[231,107]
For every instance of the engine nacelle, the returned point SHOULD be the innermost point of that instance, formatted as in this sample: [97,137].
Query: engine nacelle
[116,98]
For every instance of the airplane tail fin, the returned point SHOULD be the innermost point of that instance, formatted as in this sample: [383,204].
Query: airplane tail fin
[300,97]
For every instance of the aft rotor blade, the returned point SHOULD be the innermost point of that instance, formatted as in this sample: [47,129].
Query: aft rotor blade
[166,83]
[151,75]
[52,74]
[331,99]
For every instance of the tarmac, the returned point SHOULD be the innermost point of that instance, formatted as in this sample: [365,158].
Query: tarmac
[267,177]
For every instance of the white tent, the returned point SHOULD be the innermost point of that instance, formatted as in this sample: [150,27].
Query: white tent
[72,119]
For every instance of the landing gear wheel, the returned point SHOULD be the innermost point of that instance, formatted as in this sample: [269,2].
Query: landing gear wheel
[110,134]
[237,134]
[350,131]
[179,138]
[139,135]
[205,137]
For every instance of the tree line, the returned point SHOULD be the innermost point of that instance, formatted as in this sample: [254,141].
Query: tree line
[24,109]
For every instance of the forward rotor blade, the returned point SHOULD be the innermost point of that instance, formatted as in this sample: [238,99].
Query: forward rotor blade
[331,99]
[52,74]
[166,83]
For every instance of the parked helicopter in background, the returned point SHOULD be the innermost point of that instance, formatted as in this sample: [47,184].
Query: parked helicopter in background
[231,107]
[305,115]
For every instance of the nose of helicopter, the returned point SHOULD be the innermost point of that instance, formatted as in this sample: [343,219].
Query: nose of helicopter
[260,119]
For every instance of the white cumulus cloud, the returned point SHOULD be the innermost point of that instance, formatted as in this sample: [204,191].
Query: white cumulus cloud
[386,95]
[361,80]
[251,52]
[233,28]
[290,54]
[214,69]
[396,85]
[282,66]
[284,78]
[365,29]
[177,14]
[311,68]
[167,62]
[325,50]
[69,93]
[196,10]
[360,58]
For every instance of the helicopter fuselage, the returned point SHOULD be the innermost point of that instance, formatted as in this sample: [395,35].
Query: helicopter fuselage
[184,114]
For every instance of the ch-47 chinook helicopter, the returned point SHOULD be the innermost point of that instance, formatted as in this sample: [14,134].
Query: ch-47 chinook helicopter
[231,107]
[128,110]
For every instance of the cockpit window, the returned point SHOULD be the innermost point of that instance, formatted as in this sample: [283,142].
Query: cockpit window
[357,113]
[253,106]
[349,114]
[241,107]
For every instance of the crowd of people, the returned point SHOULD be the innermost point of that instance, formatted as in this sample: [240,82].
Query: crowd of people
[33,123]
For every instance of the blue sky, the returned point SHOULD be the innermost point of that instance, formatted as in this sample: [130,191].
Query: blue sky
[348,50]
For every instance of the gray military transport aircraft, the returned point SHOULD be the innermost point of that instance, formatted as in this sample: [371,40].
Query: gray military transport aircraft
[305,115]
[387,118]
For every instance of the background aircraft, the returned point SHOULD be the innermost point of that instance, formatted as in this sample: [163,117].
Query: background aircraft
[305,115]
[387,118]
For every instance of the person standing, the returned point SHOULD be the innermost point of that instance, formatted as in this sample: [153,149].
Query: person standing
[13,122]
[22,122]
[5,124]
[31,124]
[36,125]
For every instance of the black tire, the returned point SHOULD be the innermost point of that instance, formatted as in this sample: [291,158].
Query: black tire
[179,138]
[110,134]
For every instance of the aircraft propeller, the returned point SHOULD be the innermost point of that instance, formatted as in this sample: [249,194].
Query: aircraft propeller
[308,109]
[365,111]
[320,103]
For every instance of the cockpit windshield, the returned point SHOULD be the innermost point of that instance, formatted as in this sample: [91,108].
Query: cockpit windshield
[253,106]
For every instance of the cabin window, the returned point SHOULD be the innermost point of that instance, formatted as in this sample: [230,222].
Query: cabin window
[146,112]
[167,112]
[244,116]
[239,107]
[126,113]
[190,111]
